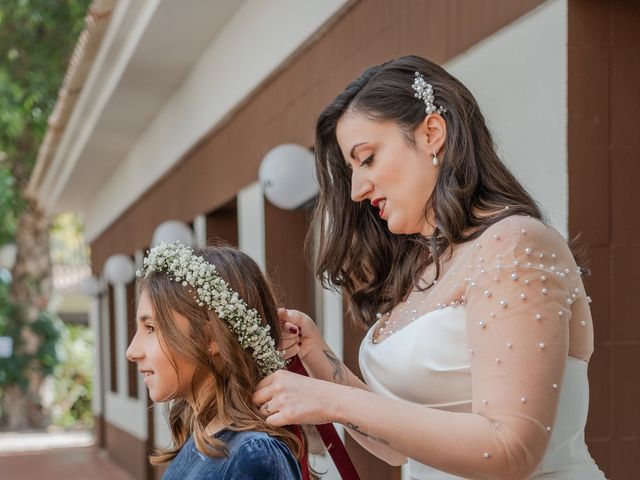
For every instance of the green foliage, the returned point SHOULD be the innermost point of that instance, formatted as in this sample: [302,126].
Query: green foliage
[73,379]
[36,42]
[67,241]
[49,327]
[14,370]
[8,205]
[5,306]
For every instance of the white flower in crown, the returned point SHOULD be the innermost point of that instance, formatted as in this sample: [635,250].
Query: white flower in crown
[183,266]
[424,91]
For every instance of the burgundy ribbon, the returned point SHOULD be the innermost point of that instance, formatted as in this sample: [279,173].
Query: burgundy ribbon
[330,438]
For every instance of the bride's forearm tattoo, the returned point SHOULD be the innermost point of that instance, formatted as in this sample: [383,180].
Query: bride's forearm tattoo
[356,429]
[339,370]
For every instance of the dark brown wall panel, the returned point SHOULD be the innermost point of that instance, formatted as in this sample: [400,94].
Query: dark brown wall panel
[127,451]
[98,431]
[604,148]
[132,369]
[285,233]
[222,225]
[113,371]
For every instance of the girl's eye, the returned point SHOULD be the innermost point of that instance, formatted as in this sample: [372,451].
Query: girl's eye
[367,161]
[150,328]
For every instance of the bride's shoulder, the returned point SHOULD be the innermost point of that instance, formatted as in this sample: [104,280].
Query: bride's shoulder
[521,228]
[525,241]
[519,238]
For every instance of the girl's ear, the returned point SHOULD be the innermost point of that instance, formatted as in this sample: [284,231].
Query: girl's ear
[213,347]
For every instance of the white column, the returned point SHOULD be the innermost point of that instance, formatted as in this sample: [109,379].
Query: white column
[120,311]
[161,432]
[94,325]
[251,236]
[332,329]
[106,350]
[332,321]
[200,230]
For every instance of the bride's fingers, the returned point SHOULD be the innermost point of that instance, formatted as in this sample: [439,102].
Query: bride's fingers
[291,345]
[294,317]
[291,328]
[283,314]
[291,350]
[278,419]
[261,395]
[285,323]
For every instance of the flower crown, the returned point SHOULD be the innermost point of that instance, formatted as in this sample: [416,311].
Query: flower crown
[424,91]
[184,266]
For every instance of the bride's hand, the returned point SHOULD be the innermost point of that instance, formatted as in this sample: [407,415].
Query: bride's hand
[299,333]
[286,398]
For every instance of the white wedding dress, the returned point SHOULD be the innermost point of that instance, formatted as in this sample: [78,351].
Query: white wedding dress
[505,334]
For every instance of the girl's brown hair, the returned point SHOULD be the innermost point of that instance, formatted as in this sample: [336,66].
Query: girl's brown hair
[375,268]
[232,371]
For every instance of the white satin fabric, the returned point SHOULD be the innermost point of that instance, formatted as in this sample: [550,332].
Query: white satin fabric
[427,362]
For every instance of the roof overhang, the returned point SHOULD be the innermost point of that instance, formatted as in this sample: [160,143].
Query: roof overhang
[162,77]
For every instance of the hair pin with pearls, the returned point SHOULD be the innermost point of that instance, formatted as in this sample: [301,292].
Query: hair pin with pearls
[424,91]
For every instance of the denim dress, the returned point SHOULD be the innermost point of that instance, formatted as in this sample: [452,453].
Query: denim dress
[252,455]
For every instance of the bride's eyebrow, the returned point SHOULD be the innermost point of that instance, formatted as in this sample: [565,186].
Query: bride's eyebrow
[352,153]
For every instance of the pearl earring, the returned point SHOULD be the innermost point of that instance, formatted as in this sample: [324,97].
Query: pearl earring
[435,160]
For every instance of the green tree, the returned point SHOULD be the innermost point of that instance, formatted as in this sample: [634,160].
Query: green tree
[36,41]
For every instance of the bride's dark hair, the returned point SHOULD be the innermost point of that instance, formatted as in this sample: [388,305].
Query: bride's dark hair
[375,268]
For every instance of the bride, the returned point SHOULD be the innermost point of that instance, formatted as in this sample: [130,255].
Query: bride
[479,328]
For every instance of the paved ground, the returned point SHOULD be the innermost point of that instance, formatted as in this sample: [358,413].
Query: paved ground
[55,457]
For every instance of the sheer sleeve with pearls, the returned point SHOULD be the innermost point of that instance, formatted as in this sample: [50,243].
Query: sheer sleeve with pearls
[526,314]
[488,345]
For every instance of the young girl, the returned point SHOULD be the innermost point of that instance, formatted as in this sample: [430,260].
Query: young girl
[206,334]
[480,332]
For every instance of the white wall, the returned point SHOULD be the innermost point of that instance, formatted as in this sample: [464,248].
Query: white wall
[519,77]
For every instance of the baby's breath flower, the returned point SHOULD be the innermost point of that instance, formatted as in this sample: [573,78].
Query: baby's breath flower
[182,265]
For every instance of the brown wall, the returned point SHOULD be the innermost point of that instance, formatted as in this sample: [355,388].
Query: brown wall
[285,233]
[127,451]
[222,224]
[285,108]
[132,368]
[113,371]
[604,174]
[98,431]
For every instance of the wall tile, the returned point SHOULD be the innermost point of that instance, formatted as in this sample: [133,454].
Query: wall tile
[589,195]
[625,391]
[589,23]
[588,94]
[625,298]
[599,420]
[625,95]
[625,178]
[625,459]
